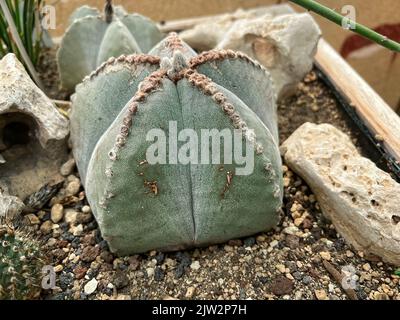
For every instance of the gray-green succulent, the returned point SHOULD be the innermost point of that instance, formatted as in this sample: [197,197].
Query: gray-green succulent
[21,265]
[141,205]
[93,37]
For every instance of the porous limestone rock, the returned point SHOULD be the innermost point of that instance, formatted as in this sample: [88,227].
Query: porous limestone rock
[207,35]
[32,131]
[283,42]
[360,199]
[10,206]
[285,45]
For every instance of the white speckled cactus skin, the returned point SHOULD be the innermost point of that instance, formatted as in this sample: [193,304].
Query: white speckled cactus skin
[141,207]
[92,38]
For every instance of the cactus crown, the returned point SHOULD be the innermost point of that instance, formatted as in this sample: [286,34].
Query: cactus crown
[142,206]
[20,265]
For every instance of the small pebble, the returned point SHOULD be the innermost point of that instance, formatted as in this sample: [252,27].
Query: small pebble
[150,272]
[70,216]
[195,265]
[325,255]
[90,287]
[72,188]
[57,212]
[190,292]
[68,167]
[321,294]
[32,219]
[46,227]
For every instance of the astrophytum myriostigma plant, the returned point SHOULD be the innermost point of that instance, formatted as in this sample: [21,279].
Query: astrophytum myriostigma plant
[164,106]
[92,38]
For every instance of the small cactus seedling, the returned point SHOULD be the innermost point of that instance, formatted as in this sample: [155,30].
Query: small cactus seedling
[142,205]
[92,38]
[20,265]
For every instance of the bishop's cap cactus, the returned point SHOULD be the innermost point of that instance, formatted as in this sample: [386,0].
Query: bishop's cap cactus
[92,38]
[141,205]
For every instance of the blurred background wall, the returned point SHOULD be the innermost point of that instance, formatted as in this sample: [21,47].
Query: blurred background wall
[380,67]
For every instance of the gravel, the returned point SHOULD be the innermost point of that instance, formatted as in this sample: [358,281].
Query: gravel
[284,263]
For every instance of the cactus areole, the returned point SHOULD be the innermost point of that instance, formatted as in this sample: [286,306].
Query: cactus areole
[92,38]
[132,106]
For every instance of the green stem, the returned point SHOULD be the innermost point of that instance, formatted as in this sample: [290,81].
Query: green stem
[338,19]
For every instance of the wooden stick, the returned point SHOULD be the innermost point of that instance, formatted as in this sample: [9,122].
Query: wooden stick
[380,119]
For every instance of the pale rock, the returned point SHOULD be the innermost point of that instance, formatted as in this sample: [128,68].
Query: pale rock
[293,230]
[39,132]
[273,243]
[325,255]
[285,45]
[366,267]
[10,206]
[150,272]
[190,292]
[32,219]
[46,227]
[68,167]
[208,34]
[321,294]
[76,230]
[58,268]
[57,212]
[90,287]
[122,297]
[167,297]
[70,216]
[195,265]
[72,188]
[359,198]
[281,268]
[86,209]
[51,242]
[284,42]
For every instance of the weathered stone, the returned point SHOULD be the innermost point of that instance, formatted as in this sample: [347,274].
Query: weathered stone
[57,212]
[70,216]
[10,206]
[90,287]
[46,227]
[208,34]
[68,167]
[281,286]
[72,188]
[359,198]
[32,219]
[285,45]
[283,41]
[32,131]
